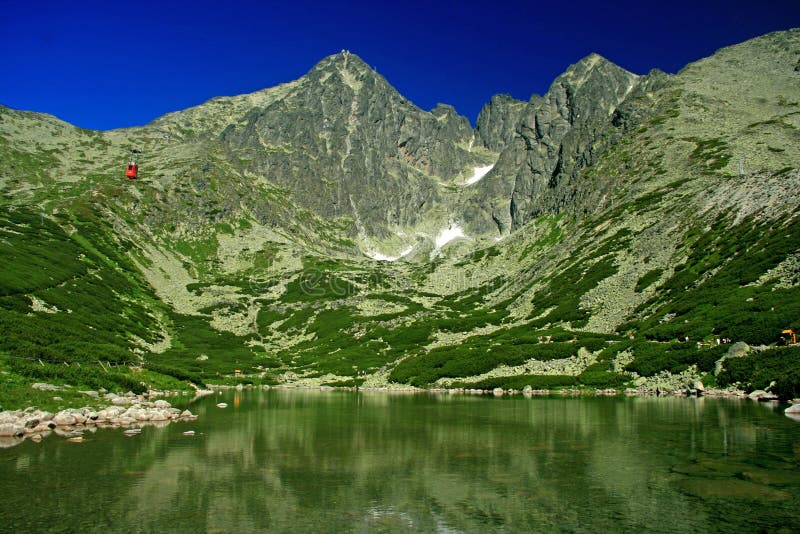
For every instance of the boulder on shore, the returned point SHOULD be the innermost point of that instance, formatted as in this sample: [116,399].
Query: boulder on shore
[762,395]
[64,419]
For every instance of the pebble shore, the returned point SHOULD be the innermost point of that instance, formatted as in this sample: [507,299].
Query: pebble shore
[130,412]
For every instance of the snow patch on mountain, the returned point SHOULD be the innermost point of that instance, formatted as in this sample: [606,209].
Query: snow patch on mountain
[445,236]
[378,256]
[478,173]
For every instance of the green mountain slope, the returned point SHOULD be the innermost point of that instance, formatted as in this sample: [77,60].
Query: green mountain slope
[625,224]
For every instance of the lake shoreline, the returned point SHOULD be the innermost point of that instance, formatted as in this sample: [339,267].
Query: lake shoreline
[526,392]
[131,412]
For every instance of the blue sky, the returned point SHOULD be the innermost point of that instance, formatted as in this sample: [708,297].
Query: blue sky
[109,64]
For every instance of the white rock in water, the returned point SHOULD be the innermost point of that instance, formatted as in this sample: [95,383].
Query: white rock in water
[794,408]
[41,427]
[132,431]
[162,404]
[189,433]
[498,392]
[8,430]
[64,419]
[760,394]
[76,439]
[112,411]
[222,405]
[159,415]
[79,418]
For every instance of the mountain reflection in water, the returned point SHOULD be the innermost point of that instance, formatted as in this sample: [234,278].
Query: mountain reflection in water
[342,461]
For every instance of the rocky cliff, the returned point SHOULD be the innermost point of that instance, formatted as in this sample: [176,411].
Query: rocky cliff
[498,120]
[555,136]
[346,143]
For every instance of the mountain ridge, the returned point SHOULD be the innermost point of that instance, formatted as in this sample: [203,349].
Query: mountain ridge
[328,231]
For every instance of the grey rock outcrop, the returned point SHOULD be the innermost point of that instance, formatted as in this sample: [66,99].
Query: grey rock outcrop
[557,135]
[737,350]
[498,120]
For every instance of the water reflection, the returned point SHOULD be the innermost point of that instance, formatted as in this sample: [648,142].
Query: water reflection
[334,461]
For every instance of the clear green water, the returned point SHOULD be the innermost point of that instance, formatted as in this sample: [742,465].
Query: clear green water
[369,462]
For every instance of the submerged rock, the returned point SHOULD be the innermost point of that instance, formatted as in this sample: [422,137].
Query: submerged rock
[730,488]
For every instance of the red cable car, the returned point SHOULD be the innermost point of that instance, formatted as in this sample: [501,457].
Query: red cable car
[132,171]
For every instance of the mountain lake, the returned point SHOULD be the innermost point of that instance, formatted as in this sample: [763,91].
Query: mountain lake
[340,461]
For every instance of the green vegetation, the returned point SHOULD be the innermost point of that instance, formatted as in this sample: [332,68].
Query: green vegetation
[560,300]
[219,353]
[83,376]
[759,370]
[647,279]
[67,299]
[553,235]
[519,382]
[715,294]
[30,166]
[319,282]
[709,155]
[346,344]
[479,354]
[650,358]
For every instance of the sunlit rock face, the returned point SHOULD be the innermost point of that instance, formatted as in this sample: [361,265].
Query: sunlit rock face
[346,143]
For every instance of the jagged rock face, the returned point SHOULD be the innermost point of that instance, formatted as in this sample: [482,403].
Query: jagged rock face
[560,135]
[456,126]
[557,135]
[346,143]
[497,122]
[640,103]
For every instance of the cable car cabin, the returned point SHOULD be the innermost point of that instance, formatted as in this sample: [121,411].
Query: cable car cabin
[133,171]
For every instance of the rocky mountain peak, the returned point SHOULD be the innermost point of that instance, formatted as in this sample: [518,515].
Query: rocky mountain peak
[347,67]
[347,144]
[552,137]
